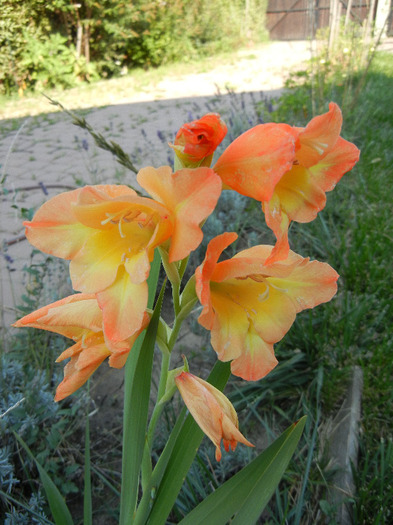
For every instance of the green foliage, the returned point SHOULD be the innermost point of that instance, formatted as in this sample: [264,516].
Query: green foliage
[13,23]
[58,43]
[335,73]
[58,507]
[353,233]
[28,397]
[247,493]
[27,379]
[50,62]
[19,23]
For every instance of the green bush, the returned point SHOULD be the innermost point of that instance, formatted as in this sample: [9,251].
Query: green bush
[50,62]
[45,44]
[19,22]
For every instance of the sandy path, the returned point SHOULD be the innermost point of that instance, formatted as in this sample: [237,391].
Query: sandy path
[47,149]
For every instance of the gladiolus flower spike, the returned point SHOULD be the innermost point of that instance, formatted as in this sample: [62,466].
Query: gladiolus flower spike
[212,410]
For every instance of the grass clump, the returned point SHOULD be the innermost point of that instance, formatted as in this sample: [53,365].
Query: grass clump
[353,233]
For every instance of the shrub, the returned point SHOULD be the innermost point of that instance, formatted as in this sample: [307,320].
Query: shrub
[49,44]
[50,62]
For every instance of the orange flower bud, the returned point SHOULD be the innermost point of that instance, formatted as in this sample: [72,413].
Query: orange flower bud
[213,412]
[196,141]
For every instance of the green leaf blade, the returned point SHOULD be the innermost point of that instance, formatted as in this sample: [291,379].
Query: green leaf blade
[184,451]
[136,404]
[57,504]
[247,493]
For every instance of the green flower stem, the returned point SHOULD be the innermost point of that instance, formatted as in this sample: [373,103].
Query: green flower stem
[183,266]
[159,406]
[175,331]
[146,467]
[164,375]
[180,315]
[176,298]
[162,384]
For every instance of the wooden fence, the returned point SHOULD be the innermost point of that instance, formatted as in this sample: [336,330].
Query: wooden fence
[300,19]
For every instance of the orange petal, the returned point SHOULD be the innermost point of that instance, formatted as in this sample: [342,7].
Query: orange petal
[254,162]
[71,351]
[54,228]
[310,283]
[120,351]
[95,267]
[80,368]
[123,307]
[72,316]
[103,214]
[204,273]
[191,195]
[338,161]
[256,360]
[278,221]
[230,324]
[299,195]
[138,267]
[319,136]
[237,303]
[103,193]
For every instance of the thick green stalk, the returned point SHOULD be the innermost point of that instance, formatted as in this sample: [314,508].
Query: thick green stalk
[180,316]
[132,458]
[146,461]
[159,406]
[87,500]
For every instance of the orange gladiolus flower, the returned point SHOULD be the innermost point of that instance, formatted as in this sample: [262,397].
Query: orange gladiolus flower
[249,306]
[110,234]
[213,412]
[322,158]
[80,318]
[196,141]
[288,169]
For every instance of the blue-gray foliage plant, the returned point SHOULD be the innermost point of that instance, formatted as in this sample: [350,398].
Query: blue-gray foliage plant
[27,409]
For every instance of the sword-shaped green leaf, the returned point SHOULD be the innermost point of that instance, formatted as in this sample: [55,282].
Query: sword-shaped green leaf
[242,498]
[136,403]
[183,453]
[57,504]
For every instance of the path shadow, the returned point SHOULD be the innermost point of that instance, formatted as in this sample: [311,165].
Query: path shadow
[44,155]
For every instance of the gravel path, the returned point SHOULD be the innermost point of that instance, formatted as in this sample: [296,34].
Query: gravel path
[44,151]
